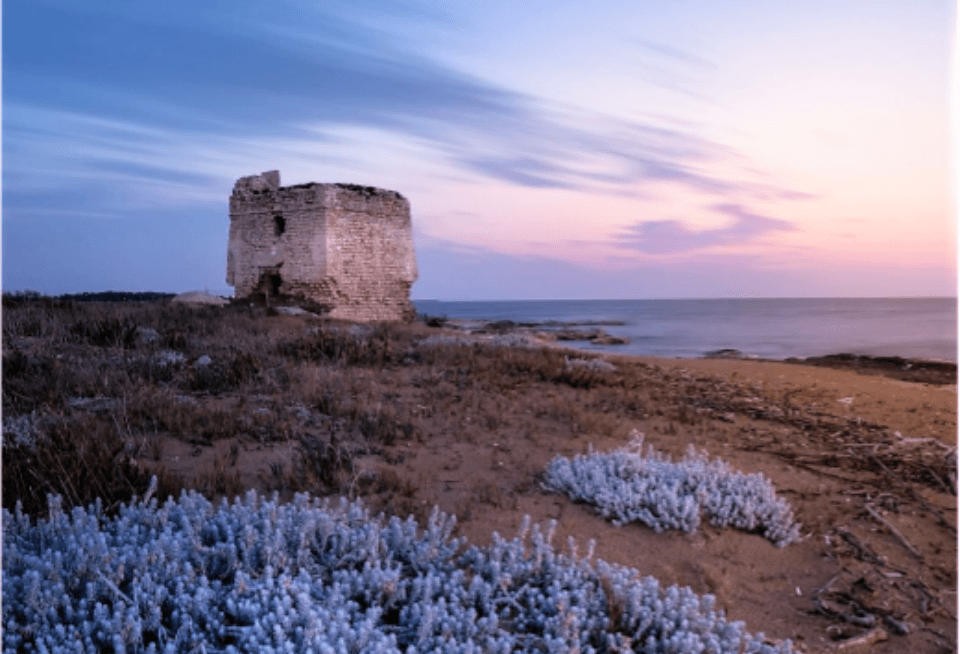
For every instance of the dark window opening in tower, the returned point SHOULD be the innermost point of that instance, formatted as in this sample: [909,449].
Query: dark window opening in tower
[279,225]
[274,282]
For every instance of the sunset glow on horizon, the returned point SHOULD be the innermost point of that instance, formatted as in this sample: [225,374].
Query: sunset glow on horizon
[613,150]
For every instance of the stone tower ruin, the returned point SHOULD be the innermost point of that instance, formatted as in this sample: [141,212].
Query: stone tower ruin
[344,247]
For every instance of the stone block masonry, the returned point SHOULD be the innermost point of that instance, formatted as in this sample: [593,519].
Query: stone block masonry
[345,247]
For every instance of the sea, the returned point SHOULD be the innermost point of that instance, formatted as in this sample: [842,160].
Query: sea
[913,328]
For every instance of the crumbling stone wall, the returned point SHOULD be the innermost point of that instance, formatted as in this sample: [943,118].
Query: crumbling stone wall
[346,247]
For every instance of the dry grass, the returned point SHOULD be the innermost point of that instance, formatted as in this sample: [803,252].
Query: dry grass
[97,379]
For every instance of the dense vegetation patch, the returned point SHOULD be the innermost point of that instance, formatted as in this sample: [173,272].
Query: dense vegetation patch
[262,576]
[628,486]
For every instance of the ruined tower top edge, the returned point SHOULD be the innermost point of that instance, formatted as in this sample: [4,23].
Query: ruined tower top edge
[269,181]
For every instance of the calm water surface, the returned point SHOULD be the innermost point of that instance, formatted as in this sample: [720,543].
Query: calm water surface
[769,328]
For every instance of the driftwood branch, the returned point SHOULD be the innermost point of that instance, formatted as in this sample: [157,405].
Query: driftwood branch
[869,638]
[893,530]
[864,553]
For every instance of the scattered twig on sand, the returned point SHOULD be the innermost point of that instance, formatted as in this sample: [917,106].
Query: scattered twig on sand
[828,607]
[940,482]
[872,636]
[826,587]
[898,627]
[794,459]
[864,553]
[945,642]
[925,504]
[893,530]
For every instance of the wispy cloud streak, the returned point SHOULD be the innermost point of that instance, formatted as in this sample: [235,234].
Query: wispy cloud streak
[672,236]
[146,89]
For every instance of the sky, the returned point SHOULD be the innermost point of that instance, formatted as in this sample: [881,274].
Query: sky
[550,150]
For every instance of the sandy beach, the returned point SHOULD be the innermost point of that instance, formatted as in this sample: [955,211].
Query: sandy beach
[915,409]
[848,564]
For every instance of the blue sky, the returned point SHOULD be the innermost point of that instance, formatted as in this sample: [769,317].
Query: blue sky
[549,150]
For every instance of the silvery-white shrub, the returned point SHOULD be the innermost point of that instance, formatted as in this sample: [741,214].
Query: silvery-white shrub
[628,486]
[256,575]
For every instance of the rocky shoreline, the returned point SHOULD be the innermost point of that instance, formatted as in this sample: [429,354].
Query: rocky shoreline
[913,370]
[553,331]
[548,331]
